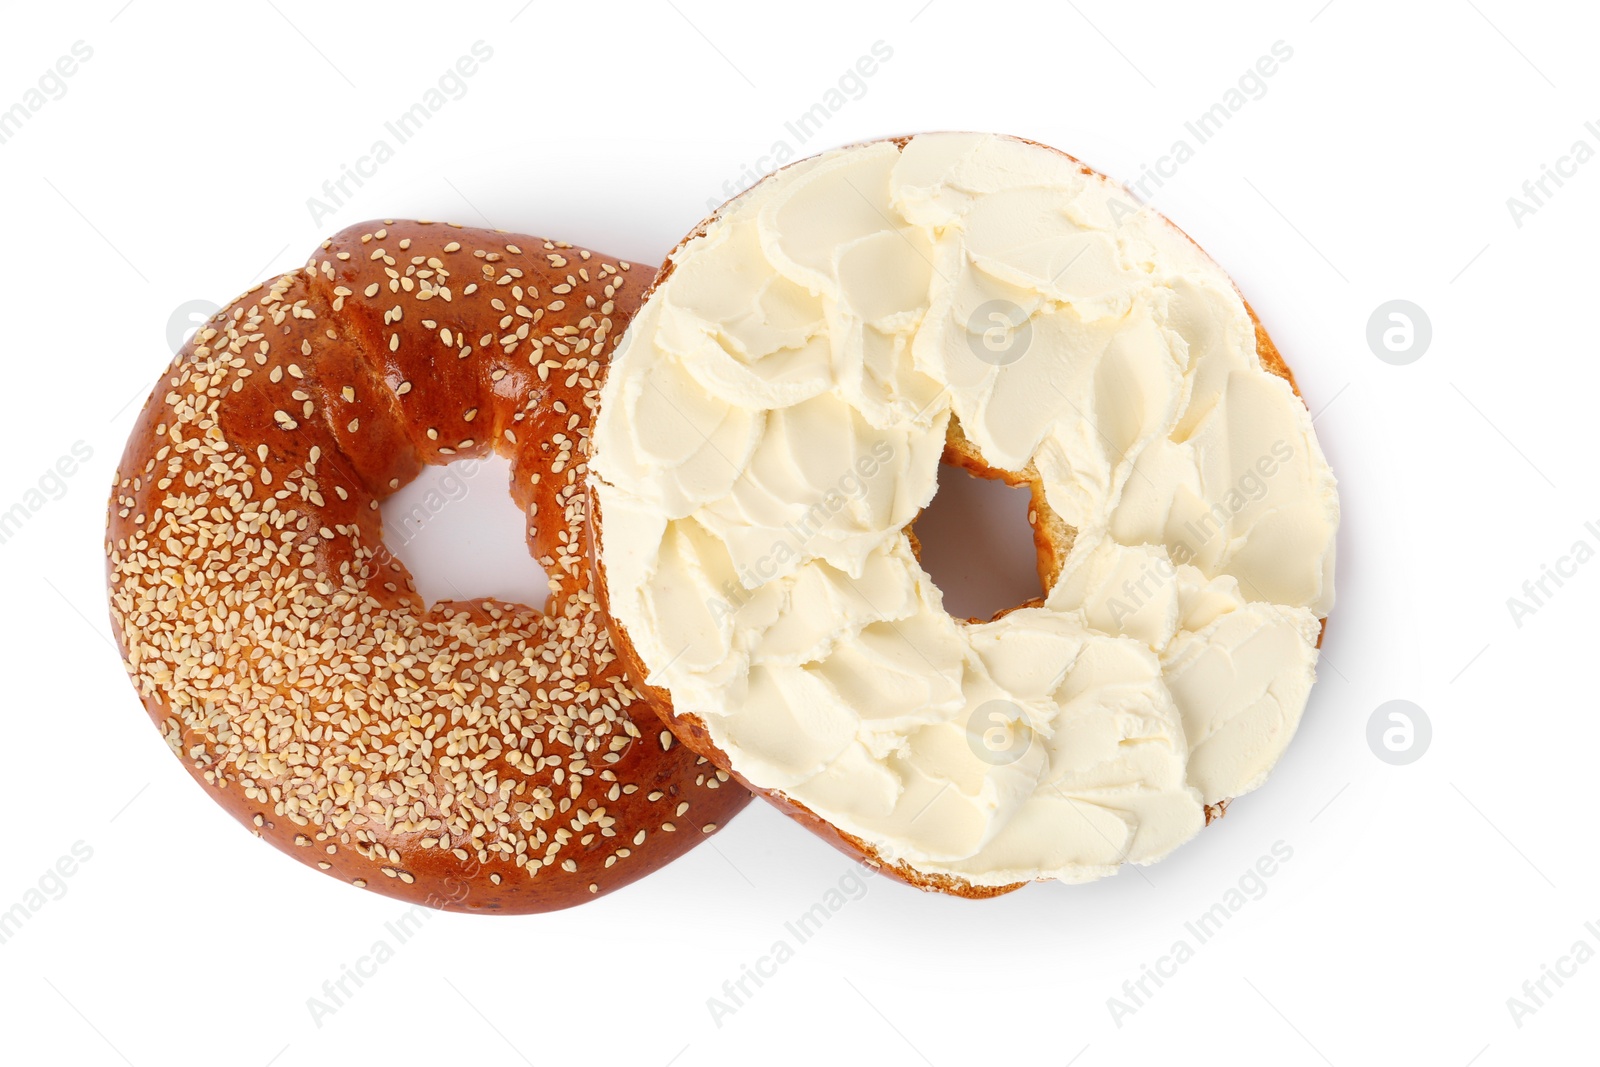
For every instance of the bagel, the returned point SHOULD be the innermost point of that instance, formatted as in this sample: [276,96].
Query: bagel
[775,419]
[473,756]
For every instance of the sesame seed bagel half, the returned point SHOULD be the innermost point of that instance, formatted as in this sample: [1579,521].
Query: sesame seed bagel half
[475,756]
[774,422]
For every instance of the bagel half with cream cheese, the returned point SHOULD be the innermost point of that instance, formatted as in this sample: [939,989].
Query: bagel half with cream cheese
[775,419]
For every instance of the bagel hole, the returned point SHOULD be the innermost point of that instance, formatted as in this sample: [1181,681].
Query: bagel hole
[975,543]
[460,536]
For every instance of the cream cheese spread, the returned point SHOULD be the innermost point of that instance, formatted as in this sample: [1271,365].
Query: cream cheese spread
[774,419]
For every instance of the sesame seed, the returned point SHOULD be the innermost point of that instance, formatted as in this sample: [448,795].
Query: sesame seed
[296,669]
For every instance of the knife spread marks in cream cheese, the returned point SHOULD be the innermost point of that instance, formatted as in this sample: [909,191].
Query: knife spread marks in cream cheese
[774,419]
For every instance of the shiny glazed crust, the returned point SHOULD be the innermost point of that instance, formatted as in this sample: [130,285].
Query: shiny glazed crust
[472,756]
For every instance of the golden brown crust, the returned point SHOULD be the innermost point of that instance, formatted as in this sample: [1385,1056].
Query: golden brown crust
[473,756]
[1053,539]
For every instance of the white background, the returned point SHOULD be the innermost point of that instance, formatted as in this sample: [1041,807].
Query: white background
[177,167]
